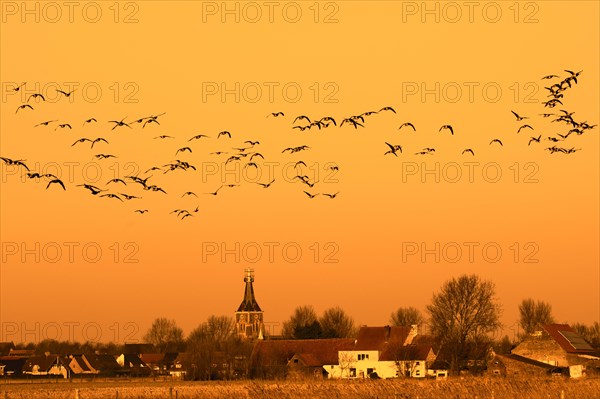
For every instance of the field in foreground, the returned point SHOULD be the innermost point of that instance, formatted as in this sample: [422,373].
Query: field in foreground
[451,388]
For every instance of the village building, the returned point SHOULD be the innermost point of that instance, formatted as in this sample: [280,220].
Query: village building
[296,358]
[45,365]
[6,347]
[515,366]
[13,360]
[159,363]
[78,365]
[105,364]
[249,316]
[384,352]
[559,345]
[133,365]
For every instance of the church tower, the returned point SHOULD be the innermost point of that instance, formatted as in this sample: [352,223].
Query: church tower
[249,316]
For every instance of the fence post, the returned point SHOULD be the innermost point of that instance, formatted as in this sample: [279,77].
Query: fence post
[76,393]
[562,394]
[170,392]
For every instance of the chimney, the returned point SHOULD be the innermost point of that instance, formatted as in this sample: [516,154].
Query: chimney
[414,330]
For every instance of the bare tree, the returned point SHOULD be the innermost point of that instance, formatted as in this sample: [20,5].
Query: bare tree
[220,328]
[215,351]
[335,323]
[503,346]
[346,361]
[164,334]
[533,313]
[406,317]
[462,314]
[303,324]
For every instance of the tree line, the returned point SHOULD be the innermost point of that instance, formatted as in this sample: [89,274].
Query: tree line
[463,316]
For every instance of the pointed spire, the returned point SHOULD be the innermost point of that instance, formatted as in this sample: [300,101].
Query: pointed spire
[249,303]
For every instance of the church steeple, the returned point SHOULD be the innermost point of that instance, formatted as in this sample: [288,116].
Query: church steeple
[249,303]
[249,316]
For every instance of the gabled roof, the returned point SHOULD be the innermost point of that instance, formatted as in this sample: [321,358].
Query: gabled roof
[153,358]
[308,359]
[325,351]
[377,338]
[163,359]
[406,353]
[44,362]
[103,362]
[82,363]
[5,348]
[568,339]
[13,364]
[133,361]
[528,361]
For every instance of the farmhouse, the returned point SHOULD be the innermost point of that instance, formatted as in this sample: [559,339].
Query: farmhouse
[45,365]
[511,365]
[560,346]
[79,365]
[383,352]
[298,358]
[557,345]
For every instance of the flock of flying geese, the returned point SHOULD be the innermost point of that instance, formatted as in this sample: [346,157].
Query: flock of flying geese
[247,153]
[556,90]
[115,188]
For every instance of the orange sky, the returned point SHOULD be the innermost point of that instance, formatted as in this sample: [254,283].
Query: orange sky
[366,249]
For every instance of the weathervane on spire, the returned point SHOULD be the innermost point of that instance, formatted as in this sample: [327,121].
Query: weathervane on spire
[249,275]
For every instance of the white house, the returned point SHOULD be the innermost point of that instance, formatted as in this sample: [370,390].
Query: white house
[384,352]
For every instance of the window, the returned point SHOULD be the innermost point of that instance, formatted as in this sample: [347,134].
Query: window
[363,356]
[295,360]
[352,372]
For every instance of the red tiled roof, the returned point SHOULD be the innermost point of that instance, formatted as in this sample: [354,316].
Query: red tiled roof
[309,359]
[281,351]
[376,338]
[554,331]
[408,352]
